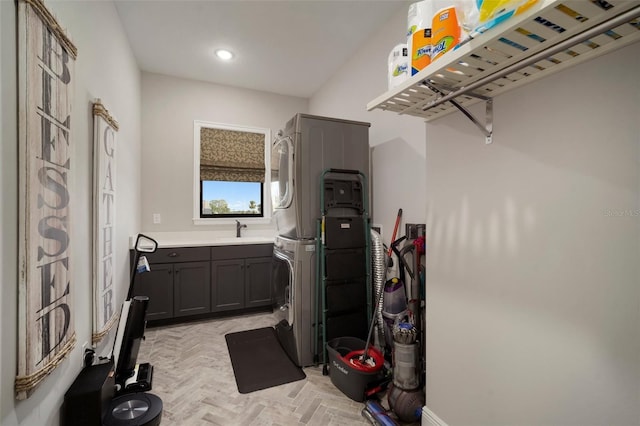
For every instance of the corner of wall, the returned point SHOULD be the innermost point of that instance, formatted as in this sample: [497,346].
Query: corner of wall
[429,418]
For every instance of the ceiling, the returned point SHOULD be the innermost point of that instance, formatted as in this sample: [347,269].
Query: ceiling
[290,47]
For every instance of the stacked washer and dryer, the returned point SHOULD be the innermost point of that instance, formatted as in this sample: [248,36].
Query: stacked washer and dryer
[301,152]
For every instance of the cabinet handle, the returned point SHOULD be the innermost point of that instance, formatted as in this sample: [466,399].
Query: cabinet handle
[173,254]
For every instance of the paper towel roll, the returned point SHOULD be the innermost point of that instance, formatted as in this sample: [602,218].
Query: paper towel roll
[419,18]
[398,65]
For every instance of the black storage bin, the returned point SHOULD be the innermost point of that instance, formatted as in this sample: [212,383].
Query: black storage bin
[87,399]
[348,324]
[345,264]
[346,295]
[344,232]
[343,193]
[351,381]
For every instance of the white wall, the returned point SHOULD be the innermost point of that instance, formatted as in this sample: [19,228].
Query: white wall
[398,175]
[169,107]
[105,68]
[533,304]
[532,298]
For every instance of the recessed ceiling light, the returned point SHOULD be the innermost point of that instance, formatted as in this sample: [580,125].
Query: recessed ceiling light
[224,54]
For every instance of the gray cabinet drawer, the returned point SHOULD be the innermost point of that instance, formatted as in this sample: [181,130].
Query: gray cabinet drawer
[241,251]
[179,254]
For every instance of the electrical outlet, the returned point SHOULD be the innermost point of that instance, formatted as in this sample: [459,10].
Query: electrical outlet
[156,218]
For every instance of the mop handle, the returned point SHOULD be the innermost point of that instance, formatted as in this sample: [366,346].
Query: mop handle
[373,321]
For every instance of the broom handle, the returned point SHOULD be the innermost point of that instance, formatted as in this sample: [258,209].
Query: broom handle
[395,231]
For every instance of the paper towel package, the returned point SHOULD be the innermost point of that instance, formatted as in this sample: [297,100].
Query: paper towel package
[419,19]
[445,31]
[398,65]
[488,13]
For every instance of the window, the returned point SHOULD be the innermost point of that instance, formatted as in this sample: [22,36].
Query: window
[230,171]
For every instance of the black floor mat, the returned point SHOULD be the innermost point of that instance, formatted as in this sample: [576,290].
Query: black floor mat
[258,360]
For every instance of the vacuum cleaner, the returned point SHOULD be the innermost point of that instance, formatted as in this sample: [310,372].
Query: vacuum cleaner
[377,415]
[402,324]
[124,396]
[405,394]
[113,391]
[133,405]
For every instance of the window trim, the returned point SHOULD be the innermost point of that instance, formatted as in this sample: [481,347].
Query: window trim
[266,187]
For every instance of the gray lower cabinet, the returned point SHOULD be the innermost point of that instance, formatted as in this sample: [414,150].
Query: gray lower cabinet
[179,283]
[227,284]
[240,277]
[257,282]
[191,288]
[157,285]
[189,281]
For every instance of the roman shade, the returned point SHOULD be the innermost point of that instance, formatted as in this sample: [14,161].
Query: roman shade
[230,155]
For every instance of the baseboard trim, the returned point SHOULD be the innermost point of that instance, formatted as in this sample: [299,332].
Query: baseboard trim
[429,418]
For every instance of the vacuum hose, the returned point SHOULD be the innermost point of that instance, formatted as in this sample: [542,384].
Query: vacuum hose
[378,277]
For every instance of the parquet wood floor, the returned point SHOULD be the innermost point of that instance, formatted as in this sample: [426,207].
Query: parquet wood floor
[194,378]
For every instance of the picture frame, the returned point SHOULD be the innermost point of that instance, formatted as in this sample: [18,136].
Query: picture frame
[105,314]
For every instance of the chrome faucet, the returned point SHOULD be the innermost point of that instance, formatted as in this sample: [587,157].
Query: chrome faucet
[239,227]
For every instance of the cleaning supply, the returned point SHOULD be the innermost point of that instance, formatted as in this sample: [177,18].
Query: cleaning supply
[376,414]
[406,404]
[143,265]
[394,306]
[406,371]
[395,231]
[398,65]
[346,369]
[419,19]
[489,13]
[445,30]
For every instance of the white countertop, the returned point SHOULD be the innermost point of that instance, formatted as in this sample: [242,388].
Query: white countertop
[214,242]
[198,239]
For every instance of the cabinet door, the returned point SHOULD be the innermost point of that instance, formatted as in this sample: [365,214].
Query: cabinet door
[258,282]
[156,284]
[227,285]
[191,288]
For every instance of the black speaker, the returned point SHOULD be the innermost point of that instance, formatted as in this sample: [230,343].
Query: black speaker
[89,396]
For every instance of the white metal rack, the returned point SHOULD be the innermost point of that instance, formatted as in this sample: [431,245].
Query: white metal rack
[550,36]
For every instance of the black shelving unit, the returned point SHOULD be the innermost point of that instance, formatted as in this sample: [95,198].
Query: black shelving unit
[343,290]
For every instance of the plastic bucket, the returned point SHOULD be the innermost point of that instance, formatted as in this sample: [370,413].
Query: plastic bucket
[346,372]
